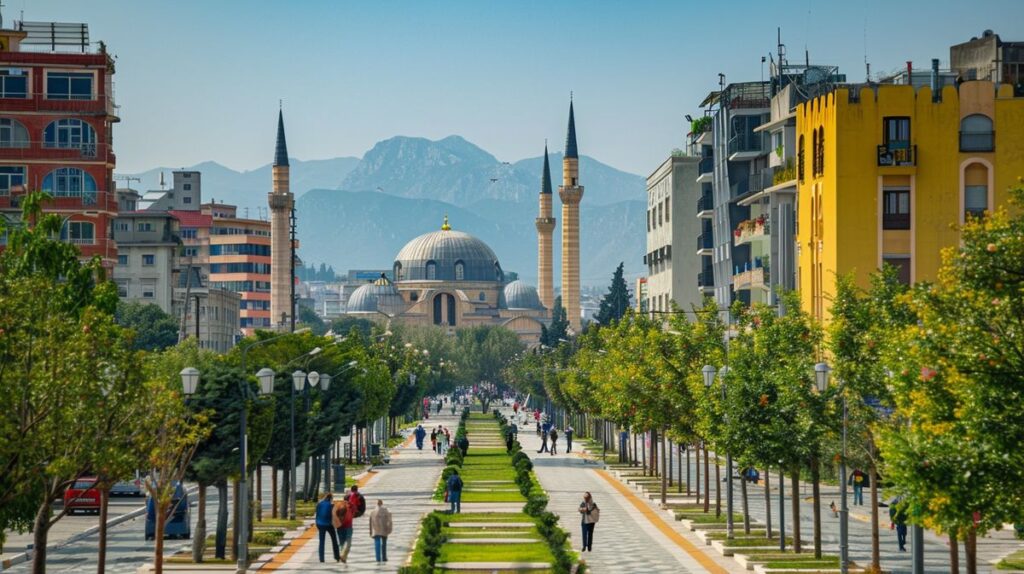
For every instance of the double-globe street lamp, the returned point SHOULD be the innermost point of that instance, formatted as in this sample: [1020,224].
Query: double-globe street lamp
[709,371]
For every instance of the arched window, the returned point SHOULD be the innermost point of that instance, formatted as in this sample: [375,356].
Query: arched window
[69,182]
[70,133]
[12,133]
[976,133]
[975,190]
[398,271]
[814,153]
[800,159]
[821,151]
[482,296]
[431,271]
[460,271]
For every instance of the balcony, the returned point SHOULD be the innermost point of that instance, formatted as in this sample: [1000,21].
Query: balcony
[705,243]
[705,170]
[897,154]
[751,279]
[750,230]
[746,145]
[705,206]
[40,150]
[706,279]
[977,141]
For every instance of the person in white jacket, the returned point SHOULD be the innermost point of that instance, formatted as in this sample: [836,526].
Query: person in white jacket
[380,529]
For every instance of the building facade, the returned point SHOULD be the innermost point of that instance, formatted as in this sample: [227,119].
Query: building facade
[147,256]
[914,163]
[282,205]
[56,123]
[672,264]
[545,223]
[210,315]
[571,193]
[185,193]
[240,261]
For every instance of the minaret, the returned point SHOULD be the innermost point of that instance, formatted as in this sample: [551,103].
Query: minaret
[571,192]
[545,226]
[281,202]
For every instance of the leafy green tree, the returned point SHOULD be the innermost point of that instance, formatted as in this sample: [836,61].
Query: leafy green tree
[154,329]
[345,324]
[616,302]
[483,354]
[552,335]
[309,318]
[956,454]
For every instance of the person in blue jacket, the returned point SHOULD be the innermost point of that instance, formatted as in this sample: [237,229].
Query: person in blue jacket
[325,525]
[455,492]
[420,434]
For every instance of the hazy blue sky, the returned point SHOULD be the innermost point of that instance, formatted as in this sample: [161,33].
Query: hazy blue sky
[200,79]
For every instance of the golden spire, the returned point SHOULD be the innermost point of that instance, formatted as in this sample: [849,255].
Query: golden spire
[445,226]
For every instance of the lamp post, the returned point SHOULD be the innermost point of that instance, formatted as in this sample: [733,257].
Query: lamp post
[729,526]
[709,373]
[821,376]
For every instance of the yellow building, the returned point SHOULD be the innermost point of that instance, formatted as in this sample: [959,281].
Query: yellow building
[885,173]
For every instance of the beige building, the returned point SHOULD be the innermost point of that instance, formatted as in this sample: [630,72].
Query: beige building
[282,204]
[545,227]
[673,265]
[211,314]
[147,245]
[571,193]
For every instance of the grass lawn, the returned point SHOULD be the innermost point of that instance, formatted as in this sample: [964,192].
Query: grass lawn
[278,523]
[709,518]
[469,496]
[447,519]
[471,473]
[530,552]
[799,563]
[1014,561]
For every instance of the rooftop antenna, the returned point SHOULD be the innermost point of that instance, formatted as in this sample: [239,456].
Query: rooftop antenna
[867,65]
[163,185]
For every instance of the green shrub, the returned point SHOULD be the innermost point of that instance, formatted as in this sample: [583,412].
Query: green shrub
[448,471]
[267,537]
[536,504]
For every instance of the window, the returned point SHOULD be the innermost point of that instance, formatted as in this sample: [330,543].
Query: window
[69,182]
[460,271]
[896,132]
[239,249]
[186,199]
[13,83]
[821,151]
[667,210]
[148,260]
[975,200]
[976,133]
[800,159]
[11,176]
[122,289]
[482,296]
[896,209]
[145,226]
[814,153]
[246,267]
[122,260]
[187,187]
[68,86]
[121,226]
[147,292]
[79,232]
[190,252]
[70,134]
[902,265]
[12,133]
[188,232]
[431,271]
[648,220]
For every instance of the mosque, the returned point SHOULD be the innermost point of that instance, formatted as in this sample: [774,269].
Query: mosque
[453,280]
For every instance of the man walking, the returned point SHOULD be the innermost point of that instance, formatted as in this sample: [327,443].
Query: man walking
[858,479]
[463,444]
[568,438]
[433,439]
[898,516]
[543,438]
[380,529]
[553,435]
[454,486]
[324,524]
[420,434]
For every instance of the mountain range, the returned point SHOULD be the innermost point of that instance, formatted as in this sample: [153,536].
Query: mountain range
[358,213]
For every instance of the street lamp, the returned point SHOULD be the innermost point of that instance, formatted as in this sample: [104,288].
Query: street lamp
[709,375]
[821,376]
[730,531]
[189,380]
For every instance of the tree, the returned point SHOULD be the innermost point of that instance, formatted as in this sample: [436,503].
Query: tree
[483,354]
[616,302]
[309,318]
[558,331]
[956,452]
[154,329]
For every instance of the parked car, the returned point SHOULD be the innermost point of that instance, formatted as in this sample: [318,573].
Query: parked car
[178,520]
[131,487]
[82,495]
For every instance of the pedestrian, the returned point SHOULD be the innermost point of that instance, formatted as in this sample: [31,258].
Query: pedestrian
[536,418]
[420,434]
[568,438]
[515,409]
[508,441]
[454,494]
[463,444]
[355,507]
[553,435]
[859,479]
[380,529]
[443,439]
[589,515]
[325,525]
[543,440]
[433,439]
[898,516]
[438,407]
[515,430]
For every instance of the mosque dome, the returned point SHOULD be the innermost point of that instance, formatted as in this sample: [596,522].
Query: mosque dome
[519,295]
[379,296]
[447,255]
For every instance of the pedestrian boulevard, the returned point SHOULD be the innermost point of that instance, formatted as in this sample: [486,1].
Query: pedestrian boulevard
[406,487]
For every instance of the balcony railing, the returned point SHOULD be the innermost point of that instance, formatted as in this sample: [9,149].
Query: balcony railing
[22,149]
[705,241]
[706,278]
[977,141]
[705,203]
[750,229]
[891,156]
[706,165]
[746,142]
[750,278]
[761,180]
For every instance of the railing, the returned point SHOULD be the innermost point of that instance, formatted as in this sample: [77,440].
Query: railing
[98,105]
[81,241]
[706,278]
[750,229]
[750,278]
[761,180]
[706,165]
[24,149]
[977,141]
[705,203]
[746,142]
[899,156]
[705,241]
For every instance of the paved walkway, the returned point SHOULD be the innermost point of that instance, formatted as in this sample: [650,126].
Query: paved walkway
[633,535]
[406,486]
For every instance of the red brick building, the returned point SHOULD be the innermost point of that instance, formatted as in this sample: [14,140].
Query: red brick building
[56,116]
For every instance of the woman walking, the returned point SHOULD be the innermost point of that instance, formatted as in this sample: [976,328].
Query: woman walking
[380,529]
[589,515]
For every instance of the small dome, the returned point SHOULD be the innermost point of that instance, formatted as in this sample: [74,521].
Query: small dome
[519,295]
[447,255]
[379,296]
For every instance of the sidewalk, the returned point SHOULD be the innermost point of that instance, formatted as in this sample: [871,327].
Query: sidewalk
[633,535]
[406,487]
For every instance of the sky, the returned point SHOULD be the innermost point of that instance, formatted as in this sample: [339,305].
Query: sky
[200,80]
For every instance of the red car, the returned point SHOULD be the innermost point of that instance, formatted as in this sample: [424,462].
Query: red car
[82,495]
